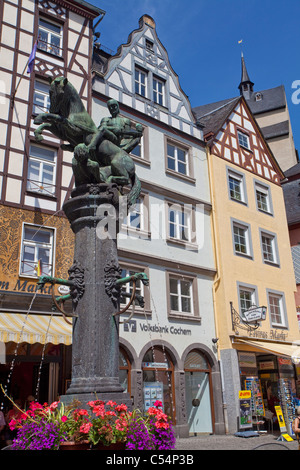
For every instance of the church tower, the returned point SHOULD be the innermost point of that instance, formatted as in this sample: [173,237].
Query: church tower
[246,86]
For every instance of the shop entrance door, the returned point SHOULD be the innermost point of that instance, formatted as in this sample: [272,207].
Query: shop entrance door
[198,393]
[198,402]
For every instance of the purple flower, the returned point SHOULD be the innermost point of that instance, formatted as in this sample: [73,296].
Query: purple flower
[163,439]
[138,437]
[38,436]
[142,437]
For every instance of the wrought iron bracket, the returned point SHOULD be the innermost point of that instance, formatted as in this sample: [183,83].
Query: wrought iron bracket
[238,322]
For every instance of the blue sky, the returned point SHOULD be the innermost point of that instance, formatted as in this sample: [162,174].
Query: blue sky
[201,38]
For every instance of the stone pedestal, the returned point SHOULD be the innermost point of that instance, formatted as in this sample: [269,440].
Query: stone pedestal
[92,210]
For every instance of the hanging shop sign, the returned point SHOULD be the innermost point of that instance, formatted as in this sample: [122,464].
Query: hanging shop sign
[255,314]
[245,409]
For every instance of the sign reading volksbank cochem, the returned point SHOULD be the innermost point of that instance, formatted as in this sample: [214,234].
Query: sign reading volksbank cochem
[133,327]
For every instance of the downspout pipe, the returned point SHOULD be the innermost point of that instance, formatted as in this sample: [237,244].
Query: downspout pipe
[218,278]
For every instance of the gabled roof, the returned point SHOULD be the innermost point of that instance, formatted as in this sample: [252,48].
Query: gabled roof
[271,99]
[214,119]
[213,116]
[117,71]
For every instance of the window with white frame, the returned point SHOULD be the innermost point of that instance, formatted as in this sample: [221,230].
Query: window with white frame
[263,198]
[269,248]
[158,91]
[140,82]
[37,246]
[50,37]
[247,299]
[236,185]
[135,218]
[179,220]
[241,239]
[41,170]
[243,140]
[177,159]
[181,295]
[276,309]
[128,287]
[41,98]
[138,150]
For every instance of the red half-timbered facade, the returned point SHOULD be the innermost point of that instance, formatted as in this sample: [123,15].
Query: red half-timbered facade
[240,142]
[36,177]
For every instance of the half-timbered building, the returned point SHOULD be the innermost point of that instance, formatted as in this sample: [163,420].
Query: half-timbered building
[35,179]
[254,289]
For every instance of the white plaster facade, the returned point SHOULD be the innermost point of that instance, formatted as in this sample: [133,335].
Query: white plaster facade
[151,248]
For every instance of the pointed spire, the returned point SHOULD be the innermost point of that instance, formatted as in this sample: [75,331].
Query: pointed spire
[246,86]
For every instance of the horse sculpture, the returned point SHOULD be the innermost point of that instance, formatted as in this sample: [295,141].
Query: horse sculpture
[101,155]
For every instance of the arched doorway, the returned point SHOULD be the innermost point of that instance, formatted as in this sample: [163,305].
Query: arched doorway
[198,393]
[124,370]
[158,380]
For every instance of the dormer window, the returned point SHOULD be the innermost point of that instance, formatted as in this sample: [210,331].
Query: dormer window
[149,45]
[258,97]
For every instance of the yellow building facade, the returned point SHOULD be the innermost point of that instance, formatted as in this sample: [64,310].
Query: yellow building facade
[256,319]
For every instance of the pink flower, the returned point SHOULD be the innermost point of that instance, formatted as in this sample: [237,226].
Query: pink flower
[12,424]
[99,410]
[121,407]
[160,425]
[158,403]
[54,405]
[111,403]
[64,418]
[85,428]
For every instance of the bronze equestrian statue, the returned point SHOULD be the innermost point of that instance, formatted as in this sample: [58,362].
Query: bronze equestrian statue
[101,155]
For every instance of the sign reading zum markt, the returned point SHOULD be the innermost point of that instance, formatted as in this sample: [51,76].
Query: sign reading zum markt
[24,285]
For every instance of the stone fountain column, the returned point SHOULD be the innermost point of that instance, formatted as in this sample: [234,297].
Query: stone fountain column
[95,347]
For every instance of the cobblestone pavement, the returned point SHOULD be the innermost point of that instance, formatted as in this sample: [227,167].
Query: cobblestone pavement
[231,442]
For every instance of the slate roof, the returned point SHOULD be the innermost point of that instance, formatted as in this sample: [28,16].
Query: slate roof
[291,192]
[211,114]
[276,130]
[273,98]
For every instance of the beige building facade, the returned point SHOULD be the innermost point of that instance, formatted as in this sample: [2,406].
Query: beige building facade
[254,263]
